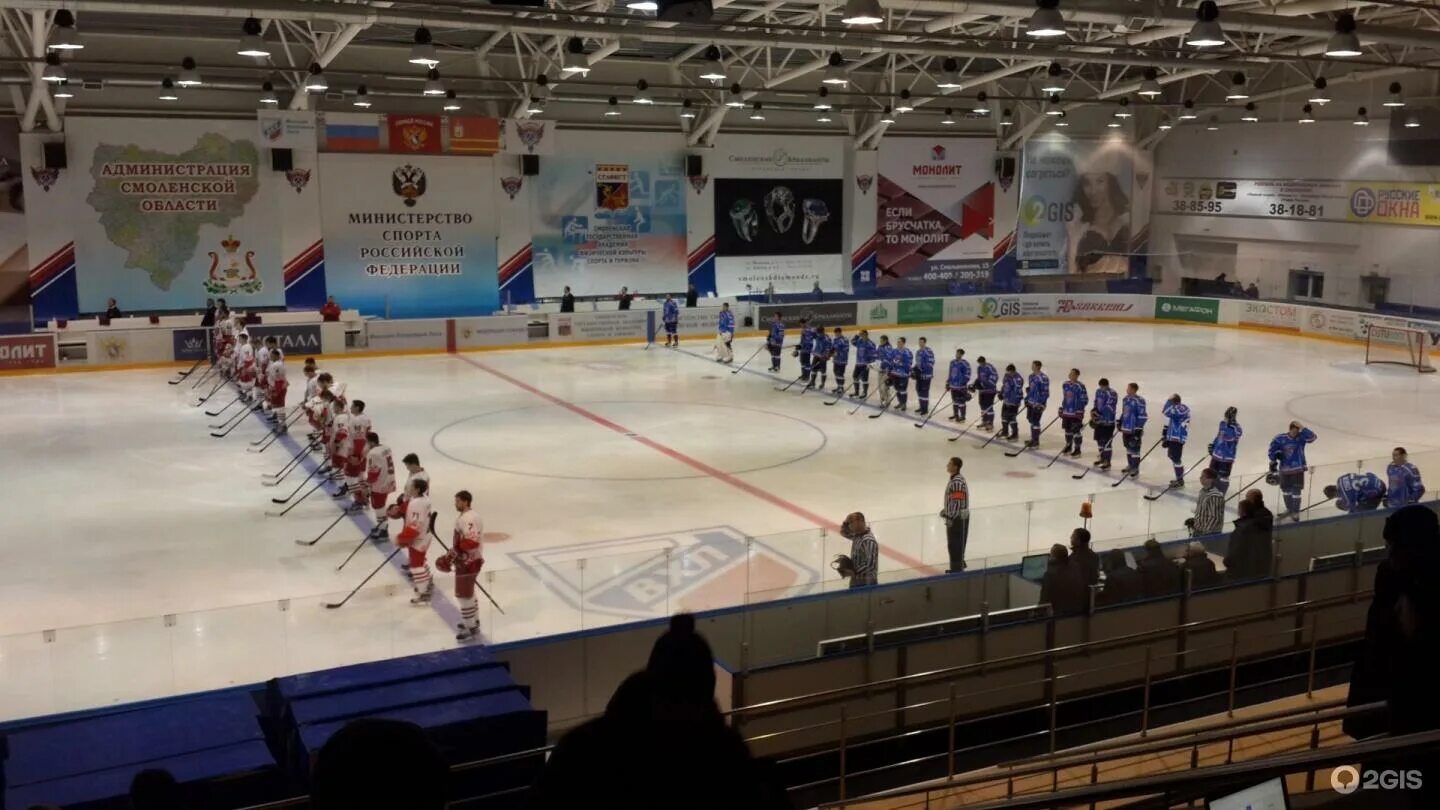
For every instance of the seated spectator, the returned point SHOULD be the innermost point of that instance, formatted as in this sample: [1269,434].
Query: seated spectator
[1252,291]
[1064,584]
[1158,575]
[1201,568]
[112,309]
[1122,583]
[1084,558]
[1251,549]
[373,763]
[331,311]
[155,789]
[661,738]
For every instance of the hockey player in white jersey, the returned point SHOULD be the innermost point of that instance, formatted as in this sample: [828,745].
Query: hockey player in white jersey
[379,482]
[415,539]
[466,558]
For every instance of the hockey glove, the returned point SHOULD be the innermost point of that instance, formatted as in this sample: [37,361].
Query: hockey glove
[843,566]
[1210,449]
[445,562]
[1272,479]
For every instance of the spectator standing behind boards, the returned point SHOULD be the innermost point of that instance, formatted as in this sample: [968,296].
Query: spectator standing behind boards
[1201,568]
[1158,575]
[208,319]
[112,309]
[1122,583]
[379,763]
[625,297]
[819,293]
[1252,291]
[862,565]
[1251,549]
[1084,558]
[567,301]
[1063,586]
[331,311]
[957,515]
[661,743]
[692,297]
[1209,508]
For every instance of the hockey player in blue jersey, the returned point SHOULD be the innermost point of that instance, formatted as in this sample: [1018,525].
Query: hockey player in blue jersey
[1012,393]
[1357,492]
[1102,420]
[775,342]
[901,363]
[1405,484]
[724,353]
[840,357]
[958,382]
[1222,449]
[1177,432]
[1037,394]
[1287,466]
[670,314]
[1073,399]
[865,355]
[924,373]
[1133,417]
[986,385]
[805,347]
[820,357]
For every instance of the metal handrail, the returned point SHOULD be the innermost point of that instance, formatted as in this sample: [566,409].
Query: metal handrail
[825,695]
[1229,773]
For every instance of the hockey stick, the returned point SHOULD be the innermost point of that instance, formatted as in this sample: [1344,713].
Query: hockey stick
[783,389]
[861,403]
[1306,509]
[297,502]
[967,429]
[885,404]
[838,396]
[287,498]
[187,372]
[477,573]
[939,403]
[994,436]
[366,540]
[343,514]
[234,424]
[292,464]
[747,362]
[224,409]
[1036,440]
[209,372]
[385,562]
[1136,474]
[1157,496]
[1245,488]
[206,398]
[275,433]
[1087,470]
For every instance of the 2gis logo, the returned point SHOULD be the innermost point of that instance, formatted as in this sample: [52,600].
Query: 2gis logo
[1037,209]
[1347,779]
[999,307]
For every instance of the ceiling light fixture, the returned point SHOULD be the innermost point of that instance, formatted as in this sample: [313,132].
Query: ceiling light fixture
[189,74]
[1319,96]
[904,106]
[1007,118]
[950,79]
[433,85]
[1046,22]
[862,12]
[835,71]
[1307,114]
[887,117]
[576,63]
[713,69]
[1214,125]
[1251,114]
[613,111]
[1053,82]
[452,102]
[1164,125]
[1061,122]
[362,97]
[1054,108]
[267,93]
[1395,99]
[423,51]
[687,109]
[1412,121]
[1150,86]
[1187,111]
[642,93]
[1114,125]
[822,102]
[1206,32]
[1237,88]
[315,82]
[251,44]
[53,72]
[757,112]
[167,90]
[947,120]
[643,5]
[535,107]
[1124,111]
[733,99]
[62,90]
[1361,118]
[1344,42]
[982,103]
[823,118]
[63,36]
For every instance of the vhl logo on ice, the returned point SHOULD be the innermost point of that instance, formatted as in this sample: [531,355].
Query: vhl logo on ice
[643,577]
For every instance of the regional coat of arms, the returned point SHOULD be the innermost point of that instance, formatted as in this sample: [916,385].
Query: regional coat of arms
[511,185]
[45,177]
[864,181]
[530,131]
[408,182]
[238,274]
[298,178]
[698,182]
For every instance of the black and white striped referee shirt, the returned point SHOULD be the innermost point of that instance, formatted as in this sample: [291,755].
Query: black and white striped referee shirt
[957,498]
[865,554]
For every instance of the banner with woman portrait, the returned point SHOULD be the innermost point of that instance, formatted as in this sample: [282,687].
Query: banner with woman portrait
[1075,206]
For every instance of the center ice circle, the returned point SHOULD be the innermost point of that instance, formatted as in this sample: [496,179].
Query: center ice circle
[546,441]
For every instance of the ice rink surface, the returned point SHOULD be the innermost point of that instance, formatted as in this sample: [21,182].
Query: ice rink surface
[615,483]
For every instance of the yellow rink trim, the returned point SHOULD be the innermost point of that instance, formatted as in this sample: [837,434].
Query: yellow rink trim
[367,353]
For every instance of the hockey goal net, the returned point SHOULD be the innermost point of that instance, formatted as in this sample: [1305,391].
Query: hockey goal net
[1398,346]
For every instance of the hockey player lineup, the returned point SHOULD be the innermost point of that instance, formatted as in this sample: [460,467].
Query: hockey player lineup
[611,483]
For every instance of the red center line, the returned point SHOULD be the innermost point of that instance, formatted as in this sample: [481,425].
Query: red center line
[689,461]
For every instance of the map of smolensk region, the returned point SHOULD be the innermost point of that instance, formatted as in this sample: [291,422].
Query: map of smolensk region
[152,204]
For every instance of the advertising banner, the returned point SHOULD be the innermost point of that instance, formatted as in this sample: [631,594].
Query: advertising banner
[920,310]
[585,326]
[699,321]
[606,221]
[1331,323]
[190,344]
[496,330]
[294,338]
[1375,203]
[164,217]
[882,313]
[1197,310]
[25,352]
[410,237]
[778,214]
[407,334]
[936,202]
[1101,306]
[1260,198]
[1075,206]
[283,129]
[819,314]
[1273,316]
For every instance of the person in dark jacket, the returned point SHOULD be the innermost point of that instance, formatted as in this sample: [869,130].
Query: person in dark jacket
[1261,512]
[1402,630]
[112,309]
[625,297]
[1200,567]
[661,743]
[1122,583]
[1158,575]
[1064,585]
[692,297]
[567,301]
[1251,549]
[1084,557]
[208,319]
[374,762]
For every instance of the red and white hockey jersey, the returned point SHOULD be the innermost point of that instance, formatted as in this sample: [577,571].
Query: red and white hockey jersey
[245,360]
[380,470]
[468,531]
[416,534]
[358,427]
[339,437]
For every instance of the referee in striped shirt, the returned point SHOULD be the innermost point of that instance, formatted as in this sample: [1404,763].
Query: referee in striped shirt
[957,515]
[864,552]
[1209,508]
